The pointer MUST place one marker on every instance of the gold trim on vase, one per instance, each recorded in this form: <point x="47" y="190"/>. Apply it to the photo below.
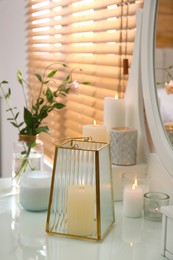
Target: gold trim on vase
<point x="28" y="138"/>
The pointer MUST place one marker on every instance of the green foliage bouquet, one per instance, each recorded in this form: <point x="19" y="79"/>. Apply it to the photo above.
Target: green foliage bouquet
<point x="32" y="122"/>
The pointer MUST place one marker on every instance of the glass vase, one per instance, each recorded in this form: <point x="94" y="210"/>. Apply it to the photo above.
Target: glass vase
<point x="28" y="154"/>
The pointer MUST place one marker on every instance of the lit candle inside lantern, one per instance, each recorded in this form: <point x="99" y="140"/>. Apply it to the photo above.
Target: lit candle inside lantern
<point x="95" y="131"/>
<point x="80" y="210"/>
<point x="114" y="113"/>
<point x="133" y="201"/>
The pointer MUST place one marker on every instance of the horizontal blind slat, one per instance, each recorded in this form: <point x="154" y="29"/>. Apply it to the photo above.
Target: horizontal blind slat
<point x="93" y="35"/>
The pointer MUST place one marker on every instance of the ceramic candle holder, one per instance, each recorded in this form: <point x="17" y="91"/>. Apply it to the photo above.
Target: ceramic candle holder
<point x="123" y="142"/>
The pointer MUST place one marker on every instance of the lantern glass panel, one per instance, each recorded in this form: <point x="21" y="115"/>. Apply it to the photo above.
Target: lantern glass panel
<point x="74" y="204"/>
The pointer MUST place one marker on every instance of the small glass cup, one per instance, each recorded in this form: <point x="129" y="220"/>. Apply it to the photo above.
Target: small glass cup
<point x="152" y="203"/>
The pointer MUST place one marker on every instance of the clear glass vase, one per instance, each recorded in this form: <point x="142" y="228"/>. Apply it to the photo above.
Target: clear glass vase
<point x="28" y="154"/>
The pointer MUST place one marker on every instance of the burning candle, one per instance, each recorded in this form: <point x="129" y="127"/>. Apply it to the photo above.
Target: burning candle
<point x="95" y="131"/>
<point x="80" y="210"/>
<point x="133" y="201"/>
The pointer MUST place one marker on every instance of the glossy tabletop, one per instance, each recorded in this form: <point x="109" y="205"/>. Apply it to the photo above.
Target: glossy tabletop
<point x="23" y="236"/>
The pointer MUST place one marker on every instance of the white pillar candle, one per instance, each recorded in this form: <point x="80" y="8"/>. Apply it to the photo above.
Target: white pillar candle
<point x="80" y="210"/>
<point x="96" y="132"/>
<point x="114" y="113"/>
<point x="133" y="201"/>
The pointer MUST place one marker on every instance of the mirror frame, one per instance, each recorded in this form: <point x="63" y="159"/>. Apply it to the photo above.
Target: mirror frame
<point x="162" y="146"/>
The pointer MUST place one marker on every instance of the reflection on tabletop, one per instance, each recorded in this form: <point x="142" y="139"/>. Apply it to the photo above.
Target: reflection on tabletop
<point x="23" y="236"/>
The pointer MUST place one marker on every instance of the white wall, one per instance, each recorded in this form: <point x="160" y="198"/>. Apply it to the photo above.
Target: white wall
<point x="12" y="58"/>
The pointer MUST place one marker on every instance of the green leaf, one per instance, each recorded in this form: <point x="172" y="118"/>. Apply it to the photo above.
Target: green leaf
<point x="16" y="115"/>
<point x="52" y="73"/>
<point x="44" y="129"/>
<point x="28" y="117"/>
<point x="4" y="82"/>
<point x="9" y="109"/>
<point x="58" y="105"/>
<point x="47" y="81"/>
<point x="43" y="112"/>
<point x="34" y="108"/>
<point x="39" y="77"/>
<point x="40" y="101"/>
<point x="67" y="79"/>
<point x="8" y="94"/>
<point x="14" y="124"/>
<point x="55" y="93"/>
<point x="20" y="124"/>
<point x="49" y="95"/>
<point x="86" y="83"/>
<point x="19" y="76"/>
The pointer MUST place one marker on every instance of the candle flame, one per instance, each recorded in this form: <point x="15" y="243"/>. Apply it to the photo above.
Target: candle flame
<point x="136" y="182"/>
<point x="94" y="122"/>
<point x="116" y="96"/>
<point x="131" y="244"/>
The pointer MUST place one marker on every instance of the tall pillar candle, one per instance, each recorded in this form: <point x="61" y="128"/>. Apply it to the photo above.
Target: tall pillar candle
<point x="114" y="113"/>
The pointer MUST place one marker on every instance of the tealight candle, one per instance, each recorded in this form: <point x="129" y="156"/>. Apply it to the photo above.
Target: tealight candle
<point x="95" y="131"/>
<point x="153" y="201"/>
<point x="80" y="210"/>
<point x="133" y="201"/>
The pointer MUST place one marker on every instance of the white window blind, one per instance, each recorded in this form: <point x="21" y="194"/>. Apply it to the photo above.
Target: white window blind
<point x="94" y="35"/>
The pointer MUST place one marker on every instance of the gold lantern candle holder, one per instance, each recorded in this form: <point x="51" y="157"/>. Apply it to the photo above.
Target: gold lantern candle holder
<point x="81" y="195"/>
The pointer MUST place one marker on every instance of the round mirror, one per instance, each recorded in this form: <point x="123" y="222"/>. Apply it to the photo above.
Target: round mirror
<point x="164" y="64"/>
<point x="160" y="141"/>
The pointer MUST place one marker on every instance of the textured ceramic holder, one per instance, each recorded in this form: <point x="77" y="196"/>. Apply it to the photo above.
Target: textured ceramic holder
<point x="123" y="143"/>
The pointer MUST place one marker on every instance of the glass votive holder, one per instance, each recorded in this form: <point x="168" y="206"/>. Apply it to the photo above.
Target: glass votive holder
<point x="152" y="203"/>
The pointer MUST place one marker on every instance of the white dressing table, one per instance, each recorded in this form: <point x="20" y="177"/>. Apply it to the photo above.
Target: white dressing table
<point x="23" y="236"/>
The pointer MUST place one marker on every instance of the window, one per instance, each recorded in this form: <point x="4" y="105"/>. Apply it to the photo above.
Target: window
<point x="95" y="35"/>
